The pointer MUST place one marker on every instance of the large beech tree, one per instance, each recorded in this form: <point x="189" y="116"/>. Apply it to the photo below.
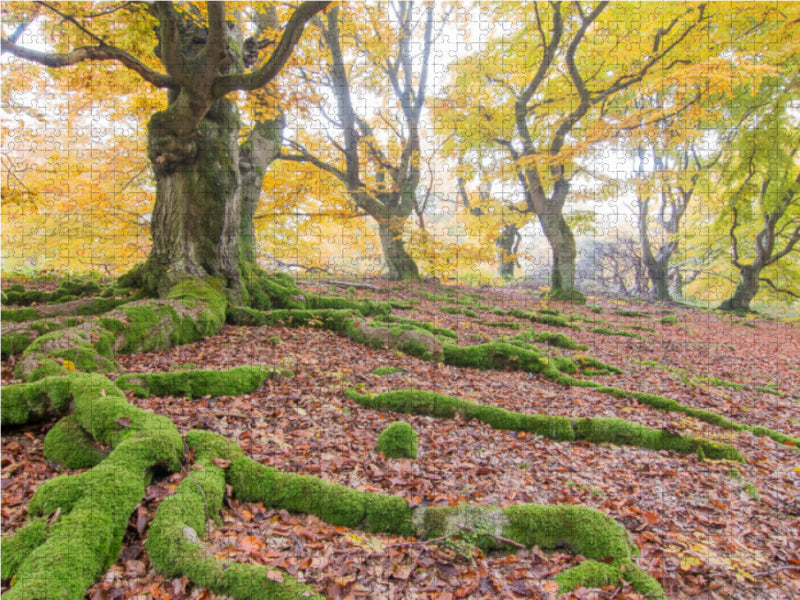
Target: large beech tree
<point x="207" y="184"/>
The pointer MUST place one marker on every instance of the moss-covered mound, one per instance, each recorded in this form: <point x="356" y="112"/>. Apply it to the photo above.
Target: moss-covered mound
<point x="596" y="430"/>
<point x="192" y="310"/>
<point x="398" y="440"/>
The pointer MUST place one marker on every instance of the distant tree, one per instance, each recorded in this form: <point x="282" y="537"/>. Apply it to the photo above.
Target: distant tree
<point x="373" y="150"/>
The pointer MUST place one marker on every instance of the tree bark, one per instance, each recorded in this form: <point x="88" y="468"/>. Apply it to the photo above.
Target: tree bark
<point x="400" y="263"/>
<point x="262" y="146"/>
<point x="745" y="291"/>
<point x="196" y="223"/>
<point x="562" y="243"/>
<point x="505" y="251"/>
<point x="657" y="265"/>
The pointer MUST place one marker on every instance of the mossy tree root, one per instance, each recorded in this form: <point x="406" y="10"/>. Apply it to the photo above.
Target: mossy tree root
<point x="197" y="382"/>
<point x="595" y="430"/>
<point x="175" y="548"/>
<point x="416" y="340"/>
<point x="18" y="335"/>
<point x="193" y="309"/>
<point x="93" y="507"/>
<point x="68" y="444"/>
<point x="580" y="529"/>
<point x="671" y="405"/>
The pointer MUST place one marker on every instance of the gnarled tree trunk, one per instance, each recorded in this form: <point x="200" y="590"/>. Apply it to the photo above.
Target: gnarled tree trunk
<point x="506" y="244"/>
<point x="196" y="223"/>
<point x="745" y="291"/>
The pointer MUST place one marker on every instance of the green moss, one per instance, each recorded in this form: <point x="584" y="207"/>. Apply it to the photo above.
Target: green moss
<point x="68" y="444"/>
<point x="572" y="295"/>
<point x="242" y="315"/>
<point x="398" y="440"/>
<point x="558" y="340"/>
<point x="196" y="383"/>
<point x="599" y="367"/>
<point x="381" y="371"/>
<point x="18" y="315"/>
<point x="14" y="343"/>
<point x="583" y="530"/>
<point x="18" y="546"/>
<point x="101" y="305"/>
<point x="96" y="504"/>
<point x="429" y="327"/>
<point x="175" y="549"/>
<point x="498" y="355"/>
<point x="334" y="503"/>
<point x="29" y="402"/>
<point x="601" y="430"/>
<point x="542" y="317"/>
<point x="669" y="320"/>
<point x="630" y="313"/>
<point x="607" y="331"/>
<point x="451" y="310"/>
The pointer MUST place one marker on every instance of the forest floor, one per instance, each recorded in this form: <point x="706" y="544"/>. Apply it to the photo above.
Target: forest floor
<point x="706" y="528"/>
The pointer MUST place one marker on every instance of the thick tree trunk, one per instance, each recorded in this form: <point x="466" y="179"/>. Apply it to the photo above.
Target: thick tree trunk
<point x="505" y="251"/>
<point x="400" y="263"/>
<point x="197" y="218"/>
<point x="562" y="243"/>
<point x="745" y="291"/>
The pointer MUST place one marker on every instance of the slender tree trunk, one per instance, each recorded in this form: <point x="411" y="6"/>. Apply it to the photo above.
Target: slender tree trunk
<point x="745" y="291"/>
<point x="401" y="265"/>
<point x="562" y="243"/>
<point x="196" y="223"/>
<point x="260" y="148"/>
<point x="505" y="251"/>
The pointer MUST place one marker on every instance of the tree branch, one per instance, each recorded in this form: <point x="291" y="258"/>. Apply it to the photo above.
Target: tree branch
<point x="777" y="289"/>
<point x="84" y="53"/>
<point x="291" y="35"/>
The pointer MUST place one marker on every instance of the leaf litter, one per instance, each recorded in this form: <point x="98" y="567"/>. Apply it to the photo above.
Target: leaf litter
<point x="711" y="529"/>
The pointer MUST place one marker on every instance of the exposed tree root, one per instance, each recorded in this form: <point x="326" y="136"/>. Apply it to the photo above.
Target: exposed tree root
<point x="196" y="383"/>
<point x="513" y="353"/>
<point x="670" y="405"/>
<point x="91" y="509"/>
<point x="192" y="310"/>
<point x="175" y="548"/>
<point x="581" y="529"/>
<point x="595" y="430"/>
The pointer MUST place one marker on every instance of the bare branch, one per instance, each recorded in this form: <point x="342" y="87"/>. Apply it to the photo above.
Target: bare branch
<point x="84" y="53"/>
<point x="72" y="20"/>
<point x="777" y="289"/>
<point x="291" y="35"/>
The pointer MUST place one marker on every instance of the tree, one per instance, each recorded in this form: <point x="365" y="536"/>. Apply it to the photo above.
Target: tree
<point x="206" y="184"/>
<point x="546" y="91"/>
<point x="376" y="159"/>
<point x="764" y="207"/>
